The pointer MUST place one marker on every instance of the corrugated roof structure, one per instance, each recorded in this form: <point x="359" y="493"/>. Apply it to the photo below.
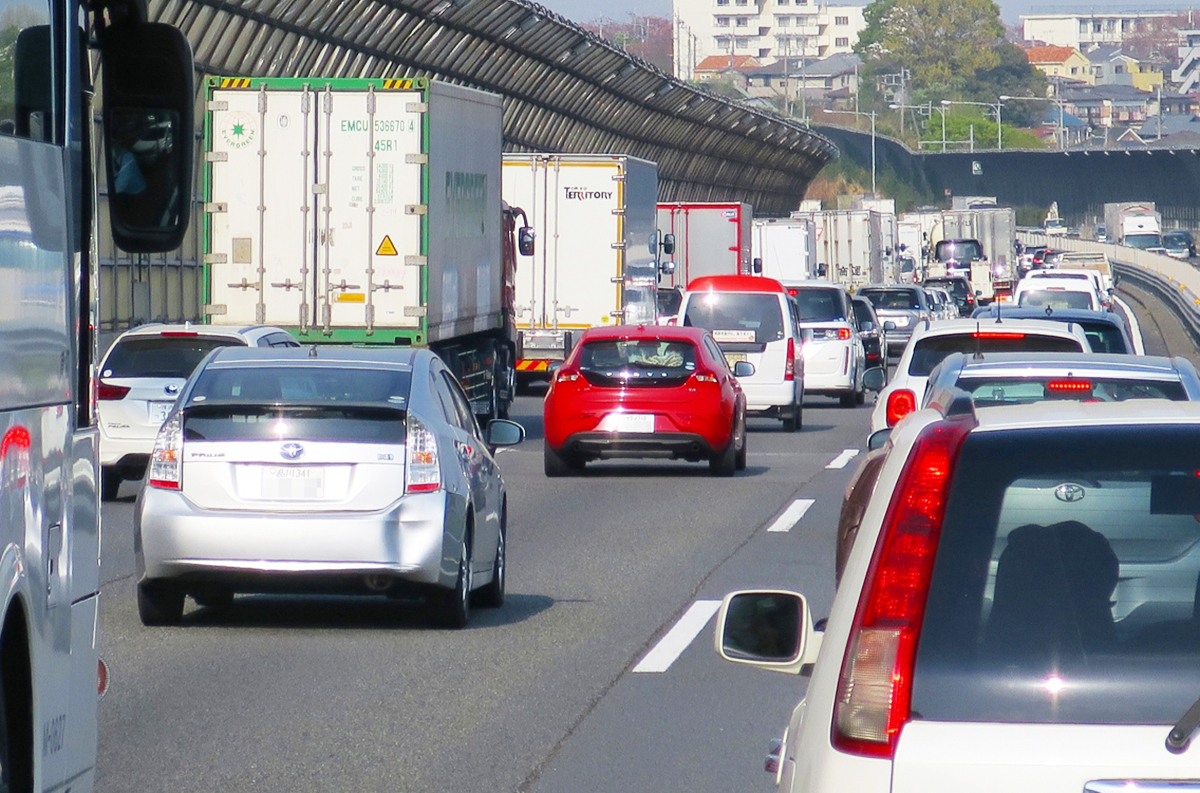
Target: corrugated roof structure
<point x="565" y="89"/>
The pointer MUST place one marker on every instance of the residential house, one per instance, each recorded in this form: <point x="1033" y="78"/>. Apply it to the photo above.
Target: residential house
<point x="1091" y="28"/>
<point x="727" y="67"/>
<point x="1110" y="105"/>
<point x="1061" y="62"/>
<point x="829" y="82"/>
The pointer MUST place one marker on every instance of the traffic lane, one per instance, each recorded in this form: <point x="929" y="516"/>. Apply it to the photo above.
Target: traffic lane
<point x="1163" y="333"/>
<point x="705" y="724"/>
<point x="367" y="695"/>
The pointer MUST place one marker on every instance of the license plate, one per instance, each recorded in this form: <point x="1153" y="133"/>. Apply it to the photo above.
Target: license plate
<point x="293" y="483"/>
<point x="159" y="411"/>
<point x="733" y="357"/>
<point x="630" y="422"/>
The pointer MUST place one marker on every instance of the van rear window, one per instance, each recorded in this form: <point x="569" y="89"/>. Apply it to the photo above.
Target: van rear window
<point x="158" y="356"/>
<point x="1055" y="298"/>
<point x="735" y="317"/>
<point x="1065" y="588"/>
<point x="310" y="385"/>
<point x="930" y="350"/>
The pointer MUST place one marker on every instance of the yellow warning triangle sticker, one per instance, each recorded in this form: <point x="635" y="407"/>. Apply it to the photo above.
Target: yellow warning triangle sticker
<point x="386" y="248"/>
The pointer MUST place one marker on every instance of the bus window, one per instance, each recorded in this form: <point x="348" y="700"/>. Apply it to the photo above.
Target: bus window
<point x="26" y="69"/>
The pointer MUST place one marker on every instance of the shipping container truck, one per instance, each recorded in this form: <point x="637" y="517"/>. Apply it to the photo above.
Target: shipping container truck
<point x="850" y="243"/>
<point x="785" y="249"/>
<point x="1134" y="223"/>
<point x="598" y="253"/>
<point x="364" y="211"/>
<point x="710" y="239"/>
<point x="979" y="243"/>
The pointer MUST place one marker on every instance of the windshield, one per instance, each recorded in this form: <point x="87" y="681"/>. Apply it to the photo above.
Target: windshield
<point x="1143" y="241"/>
<point x="640" y="363"/>
<point x="1021" y="390"/>
<point x="267" y="384"/>
<point x="751" y="317"/>
<point x="1176" y="240"/>
<point x="1055" y="298"/>
<point x="930" y="350"/>
<point x="1064" y="588"/>
<point x="957" y="250"/>
<point x="162" y="356"/>
<point x="904" y="299"/>
<point x="819" y="305"/>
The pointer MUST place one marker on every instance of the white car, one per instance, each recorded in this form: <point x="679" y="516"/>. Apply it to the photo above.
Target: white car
<point x="1017" y="612"/>
<point x="1097" y="279"/>
<point x="931" y="342"/>
<point x="1055" y="293"/>
<point x="140" y="377"/>
<point x="834" y="356"/>
<point x="752" y="319"/>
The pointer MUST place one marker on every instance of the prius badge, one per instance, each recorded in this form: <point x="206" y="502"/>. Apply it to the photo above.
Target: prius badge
<point x="1069" y="493"/>
<point x="291" y="451"/>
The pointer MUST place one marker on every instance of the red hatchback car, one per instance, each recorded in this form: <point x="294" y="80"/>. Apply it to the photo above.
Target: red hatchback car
<point x="646" y="391"/>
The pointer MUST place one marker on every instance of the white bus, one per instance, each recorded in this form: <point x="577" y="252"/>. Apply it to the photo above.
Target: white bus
<point x="49" y="508"/>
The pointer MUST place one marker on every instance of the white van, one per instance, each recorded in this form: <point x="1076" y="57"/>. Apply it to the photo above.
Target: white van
<point x="752" y="319"/>
<point x="834" y="357"/>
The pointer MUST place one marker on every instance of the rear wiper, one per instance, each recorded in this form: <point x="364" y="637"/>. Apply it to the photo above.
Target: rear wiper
<point x="1181" y="734"/>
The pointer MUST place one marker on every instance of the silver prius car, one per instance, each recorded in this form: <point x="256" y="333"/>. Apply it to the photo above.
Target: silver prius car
<point x="322" y="469"/>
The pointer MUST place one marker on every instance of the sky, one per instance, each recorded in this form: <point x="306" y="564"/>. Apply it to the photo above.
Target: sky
<point x="1010" y="10"/>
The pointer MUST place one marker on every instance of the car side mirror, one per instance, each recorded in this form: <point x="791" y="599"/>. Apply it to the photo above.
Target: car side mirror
<point x="501" y="432"/>
<point x="666" y="267"/>
<point x="668" y="244"/>
<point x="867" y="326"/>
<point x="877" y="439"/>
<point x="770" y="629"/>
<point x="874" y="379"/>
<point x="756" y="266"/>
<point x="743" y="369"/>
<point x="553" y="366"/>
<point x="822" y="270"/>
<point x="149" y="134"/>
<point x="889" y="325"/>
<point x="525" y="240"/>
<point x="978" y="293"/>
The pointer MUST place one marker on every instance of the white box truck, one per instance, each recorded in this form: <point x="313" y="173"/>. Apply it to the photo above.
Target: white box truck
<point x="1134" y="223"/>
<point x="979" y="243"/>
<point x="364" y="212"/>
<point x="710" y="239"/>
<point x="784" y="249"/>
<point x="597" y="259"/>
<point x="850" y="244"/>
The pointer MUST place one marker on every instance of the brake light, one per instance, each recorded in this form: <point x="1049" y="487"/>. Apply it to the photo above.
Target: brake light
<point x="167" y="457"/>
<point x="1073" y="386"/>
<point x="843" y="334"/>
<point x="900" y="403"/>
<point x="178" y="334"/>
<point x="792" y="291"/>
<point x="422" y="473"/>
<point x="875" y="687"/>
<point x="705" y="377"/>
<point x="107" y="392"/>
<point x="566" y="377"/>
<point x="995" y="334"/>
<point x="789" y="369"/>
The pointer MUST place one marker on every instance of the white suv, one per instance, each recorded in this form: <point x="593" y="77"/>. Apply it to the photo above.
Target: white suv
<point x="834" y="356"/>
<point x="930" y="343"/>
<point x="140" y="377"/>
<point x="1018" y="611"/>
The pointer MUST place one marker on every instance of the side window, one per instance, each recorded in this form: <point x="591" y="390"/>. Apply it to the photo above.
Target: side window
<point x="441" y="393"/>
<point x="466" y="417"/>
<point x="791" y="304"/>
<point x="27" y="73"/>
<point x="715" y="353"/>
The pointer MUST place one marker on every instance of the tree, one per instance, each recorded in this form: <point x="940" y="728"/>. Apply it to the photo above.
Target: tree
<point x="1156" y="38"/>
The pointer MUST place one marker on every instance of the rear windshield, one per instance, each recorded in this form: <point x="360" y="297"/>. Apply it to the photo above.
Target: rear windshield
<point x="955" y="286"/>
<point x="737" y="316"/>
<point x="862" y="312"/>
<point x="957" y="250"/>
<point x="1065" y="587"/>
<point x="1103" y="337"/>
<point x="162" y="356"/>
<point x="644" y="363"/>
<point x="347" y="424"/>
<point x="1010" y="391"/>
<point x="669" y="301"/>
<point x="930" y="351"/>
<point x="1055" y="298"/>
<point x="820" y="305"/>
<point x="892" y="298"/>
<point x="310" y="385"/>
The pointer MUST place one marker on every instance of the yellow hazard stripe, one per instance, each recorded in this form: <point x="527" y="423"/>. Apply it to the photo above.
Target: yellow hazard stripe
<point x="532" y="366"/>
<point x="235" y="82"/>
<point x="398" y="85"/>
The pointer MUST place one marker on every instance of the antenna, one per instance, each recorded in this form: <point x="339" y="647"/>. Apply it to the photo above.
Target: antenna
<point x="312" y="351"/>
<point x="978" y="356"/>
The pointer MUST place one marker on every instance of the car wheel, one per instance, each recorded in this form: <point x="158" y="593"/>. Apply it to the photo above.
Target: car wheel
<point x="159" y="604"/>
<point x="740" y="458"/>
<point x="110" y="483"/>
<point x="491" y="595"/>
<point x="724" y="463"/>
<point x="793" y="418"/>
<point x="213" y="598"/>
<point x="454" y="606"/>
<point x="560" y="464"/>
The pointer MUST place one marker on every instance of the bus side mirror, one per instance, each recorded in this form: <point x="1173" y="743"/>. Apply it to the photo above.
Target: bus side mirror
<point x="149" y="134"/>
<point x="525" y="237"/>
<point x="668" y="244"/>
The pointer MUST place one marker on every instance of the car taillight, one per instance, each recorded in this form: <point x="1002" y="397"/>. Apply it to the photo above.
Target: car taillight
<point x="566" y="377"/>
<point x="1071" y="386"/>
<point x="167" y="457"/>
<point x="843" y="333"/>
<point x="107" y="392"/>
<point x="992" y="334"/>
<point x="422" y="473"/>
<point x="900" y="403"/>
<point x="789" y="369"/>
<point x="705" y="377"/>
<point x="875" y="687"/>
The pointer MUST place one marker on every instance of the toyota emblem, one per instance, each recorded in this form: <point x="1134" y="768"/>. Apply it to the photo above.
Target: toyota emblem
<point x="1070" y="493"/>
<point x="291" y="451"/>
<point x="172" y="389"/>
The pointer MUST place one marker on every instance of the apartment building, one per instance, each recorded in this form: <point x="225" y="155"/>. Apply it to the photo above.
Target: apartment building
<point x="767" y="30"/>
<point x="1086" y="30"/>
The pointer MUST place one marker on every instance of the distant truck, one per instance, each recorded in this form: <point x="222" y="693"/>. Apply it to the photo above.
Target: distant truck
<point x="785" y="249"/>
<point x="365" y="211"/>
<point x="597" y="260"/>
<point x="980" y="244"/>
<point x="1133" y="223"/>
<point x="850" y="243"/>
<point x="710" y="239"/>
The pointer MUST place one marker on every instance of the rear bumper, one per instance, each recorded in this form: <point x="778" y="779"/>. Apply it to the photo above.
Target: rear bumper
<point x="768" y="397"/>
<point x="125" y="452"/>
<point x="686" y="445"/>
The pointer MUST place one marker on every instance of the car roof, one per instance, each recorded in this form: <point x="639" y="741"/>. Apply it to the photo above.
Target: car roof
<point x="318" y="355"/>
<point x="735" y="283"/>
<point x="1047" y="282"/>
<point x="226" y="331"/>
<point x="904" y="287"/>
<point x="680" y="332"/>
<point x="1080" y="364"/>
<point x="1071" y="413"/>
<point x="814" y="284"/>
<point x="952" y="327"/>
<point x="1057" y="315"/>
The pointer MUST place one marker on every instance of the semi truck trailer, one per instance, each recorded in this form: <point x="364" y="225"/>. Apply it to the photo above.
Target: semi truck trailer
<point x="364" y="211"/>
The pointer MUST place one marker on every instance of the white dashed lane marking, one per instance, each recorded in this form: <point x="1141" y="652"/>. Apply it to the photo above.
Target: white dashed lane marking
<point x="669" y="647"/>
<point x="792" y="515"/>
<point x="843" y="459"/>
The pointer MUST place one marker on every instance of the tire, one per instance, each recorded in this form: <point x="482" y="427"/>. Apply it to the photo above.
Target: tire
<point x="792" y="421"/>
<point x="159" y="604"/>
<point x="724" y="463"/>
<point x="453" y="607"/>
<point x="213" y="598"/>
<point x="739" y="461"/>
<point x="491" y="595"/>
<point x="110" y="483"/>
<point x="16" y="714"/>
<point x="557" y="464"/>
<point x="848" y="400"/>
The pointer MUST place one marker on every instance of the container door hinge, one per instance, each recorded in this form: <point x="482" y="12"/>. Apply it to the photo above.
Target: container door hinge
<point x="416" y="261"/>
<point x="216" y="156"/>
<point x="216" y="105"/>
<point x="216" y="309"/>
<point x="215" y="207"/>
<point x="416" y="209"/>
<point x="414" y="311"/>
<point x="415" y="158"/>
<point x="215" y="258"/>
<point x="416" y="107"/>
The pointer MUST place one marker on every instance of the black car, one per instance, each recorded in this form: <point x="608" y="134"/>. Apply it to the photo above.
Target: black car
<point x="959" y="289"/>
<point x="1179" y="244"/>
<point x="871" y="332"/>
